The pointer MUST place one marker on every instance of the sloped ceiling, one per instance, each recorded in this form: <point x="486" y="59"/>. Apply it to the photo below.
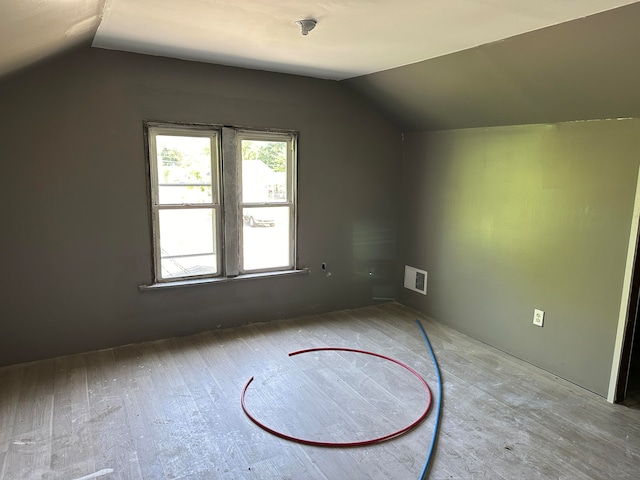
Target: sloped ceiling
<point x="31" y="30"/>
<point x="352" y="37"/>
<point x="580" y="70"/>
<point x="560" y="70"/>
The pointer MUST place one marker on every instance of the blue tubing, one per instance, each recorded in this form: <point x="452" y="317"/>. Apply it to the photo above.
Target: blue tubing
<point x="436" y="427"/>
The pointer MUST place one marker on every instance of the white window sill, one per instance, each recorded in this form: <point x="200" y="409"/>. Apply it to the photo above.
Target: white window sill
<point x="208" y="281"/>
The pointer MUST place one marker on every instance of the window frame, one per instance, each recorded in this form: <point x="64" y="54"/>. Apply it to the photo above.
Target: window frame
<point x="226" y="202"/>
<point x="152" y="130"/>
<point x="290" y="138"/>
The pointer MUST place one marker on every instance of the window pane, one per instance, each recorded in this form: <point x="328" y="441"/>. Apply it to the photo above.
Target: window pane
<point x="265" y="238"/>
<point x="188" y="266"/>
<point x="179" y="195"/>
<point x="184" y="161"/>
<point x="187" y="242"/>
<point x="264" y="171"/>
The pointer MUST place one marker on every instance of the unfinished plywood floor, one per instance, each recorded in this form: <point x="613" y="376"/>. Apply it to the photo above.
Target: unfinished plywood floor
<point x="171" y="409"/>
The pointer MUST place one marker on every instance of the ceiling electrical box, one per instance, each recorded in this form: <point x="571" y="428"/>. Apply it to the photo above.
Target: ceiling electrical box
<point x="415" y="279"/>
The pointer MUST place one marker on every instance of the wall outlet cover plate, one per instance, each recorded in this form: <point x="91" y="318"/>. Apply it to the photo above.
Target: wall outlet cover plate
<point x="538" y="317"/>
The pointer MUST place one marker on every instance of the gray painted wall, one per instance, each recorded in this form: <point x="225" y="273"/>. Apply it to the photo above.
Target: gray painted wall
<point x="509" y="219"/>
<point x="578" y="70"/>
<point x="76" y="242"/>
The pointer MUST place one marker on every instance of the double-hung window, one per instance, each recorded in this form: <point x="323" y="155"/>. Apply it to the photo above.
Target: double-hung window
<point x="223" y="201"/>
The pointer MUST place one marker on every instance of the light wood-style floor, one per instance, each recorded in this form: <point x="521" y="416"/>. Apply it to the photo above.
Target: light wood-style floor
<point x="171" y="409"/>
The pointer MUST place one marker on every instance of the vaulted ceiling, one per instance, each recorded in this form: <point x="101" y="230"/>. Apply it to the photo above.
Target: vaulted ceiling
<point x="31" y="30"/>
<point x="425" y="65"/>
<point x="352" y="37"/>
<point x="581" y="70"/>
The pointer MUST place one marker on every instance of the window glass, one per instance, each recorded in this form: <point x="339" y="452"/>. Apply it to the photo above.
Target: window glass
<point x="221" y="208"/>
<point x="264" y="171"/>
<point x="184" y="169"/>
<point x="187" y="246"/>
<point x="266" y="238"/>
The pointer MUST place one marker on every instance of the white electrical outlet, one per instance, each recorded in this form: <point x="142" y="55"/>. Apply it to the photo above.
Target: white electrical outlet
<point x="538" y="317"/>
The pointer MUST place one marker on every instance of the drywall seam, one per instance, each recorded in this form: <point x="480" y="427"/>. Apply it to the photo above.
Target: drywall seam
<point x="626" y="295"/>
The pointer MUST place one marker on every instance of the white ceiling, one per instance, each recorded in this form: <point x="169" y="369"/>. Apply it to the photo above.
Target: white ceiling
<point x="352" y="38"/>
<point x="34" y="29"/>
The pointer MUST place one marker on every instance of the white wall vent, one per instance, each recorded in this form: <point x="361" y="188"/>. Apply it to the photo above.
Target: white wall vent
<point x="415" y="279"/>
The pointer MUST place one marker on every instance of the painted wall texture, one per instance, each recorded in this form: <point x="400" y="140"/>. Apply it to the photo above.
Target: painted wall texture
<point x="509" y="219"/>
<point x="505" y="219"/>
<point x="76" y="241"/>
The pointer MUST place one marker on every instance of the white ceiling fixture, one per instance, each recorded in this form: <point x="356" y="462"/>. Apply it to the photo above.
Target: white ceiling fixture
<point x="306" y="25"/>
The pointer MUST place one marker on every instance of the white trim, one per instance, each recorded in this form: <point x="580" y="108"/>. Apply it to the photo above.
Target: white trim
<point x="290" y="202"/>
<point x="226" y="202"/>
<point x="197" y="131"/>
<point x="626" y="293"/>
<point x="208" y="281"/>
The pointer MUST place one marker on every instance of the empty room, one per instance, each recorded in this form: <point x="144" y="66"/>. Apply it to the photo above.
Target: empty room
<point x="295" y="239"/>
